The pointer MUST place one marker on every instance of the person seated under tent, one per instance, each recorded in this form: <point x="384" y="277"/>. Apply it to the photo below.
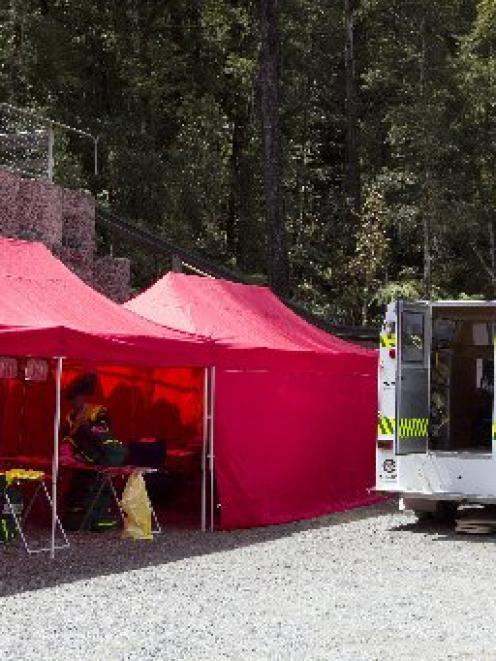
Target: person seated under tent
<point x="87" y="429"/>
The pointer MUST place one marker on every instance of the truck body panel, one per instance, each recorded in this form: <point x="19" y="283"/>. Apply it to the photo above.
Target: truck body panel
<point x="436" y="426"/>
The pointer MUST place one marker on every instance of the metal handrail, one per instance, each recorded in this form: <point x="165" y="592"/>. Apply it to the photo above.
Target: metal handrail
<point x="50" y="123"/>
<point x="191" y="260"/>
<point x="46" y="120"/>
<point x="203" y="266"/>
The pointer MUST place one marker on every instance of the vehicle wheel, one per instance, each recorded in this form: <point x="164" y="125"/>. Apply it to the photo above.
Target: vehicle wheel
<point x="424" y="518"/>
<point x="446" y="512"/>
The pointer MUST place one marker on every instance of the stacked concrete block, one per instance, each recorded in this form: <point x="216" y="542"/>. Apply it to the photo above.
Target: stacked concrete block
<point x="78" y="220"/>
<point x="79" y="262"/>
<point x="112" y="276"/>
<point x="9" y="189"/>
<point x="64" y="221"/>
<point x="30" y="209"/>
<point x="39" y="211"/>
<point x="78" y="233"/>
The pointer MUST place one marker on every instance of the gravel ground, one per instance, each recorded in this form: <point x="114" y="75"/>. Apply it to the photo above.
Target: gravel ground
<point x="367" y="584"/>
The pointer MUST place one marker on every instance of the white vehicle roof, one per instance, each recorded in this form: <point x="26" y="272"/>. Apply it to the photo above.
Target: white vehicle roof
<point x="462" y="304"/>
<point x="454" y="303"/>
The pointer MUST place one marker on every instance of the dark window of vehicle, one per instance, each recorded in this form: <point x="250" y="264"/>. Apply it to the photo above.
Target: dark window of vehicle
<point x="412" y="337"/>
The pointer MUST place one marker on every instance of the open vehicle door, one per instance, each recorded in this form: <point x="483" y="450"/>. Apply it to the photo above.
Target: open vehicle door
<point x="493" y="426"/>
<point x="413" y="399"/>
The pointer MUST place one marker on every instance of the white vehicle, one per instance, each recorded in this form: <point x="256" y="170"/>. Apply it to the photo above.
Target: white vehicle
<point x="436" y="430"/>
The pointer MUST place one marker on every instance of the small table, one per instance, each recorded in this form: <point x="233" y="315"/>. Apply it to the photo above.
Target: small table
<point x="106" y="476"/>
<point x="19" y="475"/>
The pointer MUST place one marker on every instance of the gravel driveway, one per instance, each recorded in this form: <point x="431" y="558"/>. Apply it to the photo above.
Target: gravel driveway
<point x="367" y="584"/>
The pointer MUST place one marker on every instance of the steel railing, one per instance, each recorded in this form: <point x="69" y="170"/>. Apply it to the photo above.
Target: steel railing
<point x="187" y="260"/>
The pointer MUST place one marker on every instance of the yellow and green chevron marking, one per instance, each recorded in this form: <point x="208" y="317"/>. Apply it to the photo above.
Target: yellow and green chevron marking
<point x="413" y="427"/>
<point x="409" y="427"/>
<point x="385" y="426"/>
<point x="388" y="341"/>
<point x="494" y="430"/>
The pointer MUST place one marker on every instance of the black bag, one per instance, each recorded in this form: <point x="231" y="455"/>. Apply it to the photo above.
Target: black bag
<point x="150" y="454"/>
<point x="97" y="446"/>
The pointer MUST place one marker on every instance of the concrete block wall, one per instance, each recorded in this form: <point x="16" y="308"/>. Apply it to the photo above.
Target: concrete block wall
<point x="64" y="220"/>
<point x="38" y="212"/>
<point x="78" y="220"/>
<point x="30" y="209"/>
<point x="78" y="233"/>
<point x="111" y="276"/>
<point x="80" y="262"/>
<point x="9" y="189"/>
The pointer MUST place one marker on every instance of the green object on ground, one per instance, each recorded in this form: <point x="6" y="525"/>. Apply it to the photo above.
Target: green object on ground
<point x="8" y="527"/>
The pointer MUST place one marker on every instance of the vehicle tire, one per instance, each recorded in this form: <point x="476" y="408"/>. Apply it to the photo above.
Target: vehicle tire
<point x="424" y="518"/>
<point x="446" y="511"/>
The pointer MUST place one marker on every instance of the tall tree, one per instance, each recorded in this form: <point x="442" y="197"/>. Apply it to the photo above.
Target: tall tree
<point x="383" y="110"/>
<point x="278" y="263"/>
<point x="477" y="70"/>
<point x="353" y="181"/>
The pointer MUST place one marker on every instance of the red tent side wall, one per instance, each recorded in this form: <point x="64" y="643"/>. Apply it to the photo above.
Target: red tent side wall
<point x="293" y="445"/>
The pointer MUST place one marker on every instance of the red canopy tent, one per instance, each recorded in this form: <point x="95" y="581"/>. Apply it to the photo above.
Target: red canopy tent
<point x="48" y="312"/>
<point x="295" y="408"/>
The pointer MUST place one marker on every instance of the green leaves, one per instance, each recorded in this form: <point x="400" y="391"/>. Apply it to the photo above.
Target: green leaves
<point x="171" y="88"/>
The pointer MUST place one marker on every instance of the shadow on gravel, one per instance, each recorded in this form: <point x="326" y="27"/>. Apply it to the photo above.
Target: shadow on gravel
<point x="94" y="555"/>
<point x="444" y="532"/>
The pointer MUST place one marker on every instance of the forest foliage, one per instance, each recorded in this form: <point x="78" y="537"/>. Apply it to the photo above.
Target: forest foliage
<point x="388" y="133"/>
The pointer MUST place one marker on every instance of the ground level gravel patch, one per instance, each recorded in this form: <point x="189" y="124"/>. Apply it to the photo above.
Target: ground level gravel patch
<point x="367" y="584"/>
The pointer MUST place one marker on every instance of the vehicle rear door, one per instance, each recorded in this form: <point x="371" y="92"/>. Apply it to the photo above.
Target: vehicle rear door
<point x="413" y="397"/>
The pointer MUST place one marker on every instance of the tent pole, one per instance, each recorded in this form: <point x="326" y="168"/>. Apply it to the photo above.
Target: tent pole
<point x="206" y="417"/>
<point x="55" y="461"/>
<point x="212" y="448"/>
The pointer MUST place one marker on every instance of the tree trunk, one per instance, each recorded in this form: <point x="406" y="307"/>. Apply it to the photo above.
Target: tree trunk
<point x="427" y="278"/>
<point x="247" y="245"/>
<point x="427" y="198"/>
<point x="492" y="257"/>
<point x="278" y="263"/>
<point x="17" y="82"/>
<point x="353" y="180"/>
<point x="302" y="178"/>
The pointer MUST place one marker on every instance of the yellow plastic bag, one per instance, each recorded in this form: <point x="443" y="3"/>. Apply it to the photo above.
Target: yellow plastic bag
<point x="136" y="507"/>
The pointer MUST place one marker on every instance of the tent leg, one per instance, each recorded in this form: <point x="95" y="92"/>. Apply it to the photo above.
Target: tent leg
<point x="55" y="461"/>
<point x="206" y="418"/>
<point x="212" y="448"/>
